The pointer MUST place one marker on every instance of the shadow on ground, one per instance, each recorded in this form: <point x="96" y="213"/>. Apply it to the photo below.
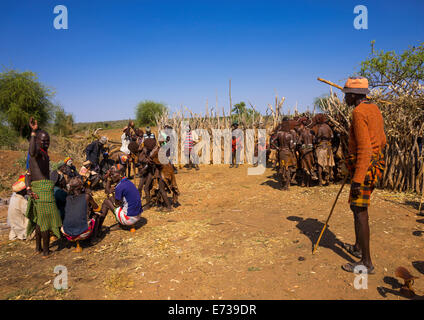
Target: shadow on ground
<point x="312" y="229"/>
<point x="63" y="243"/>
<point x="395" y="289"/>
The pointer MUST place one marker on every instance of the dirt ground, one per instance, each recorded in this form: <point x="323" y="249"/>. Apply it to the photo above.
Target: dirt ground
<point x="235" y="236"/>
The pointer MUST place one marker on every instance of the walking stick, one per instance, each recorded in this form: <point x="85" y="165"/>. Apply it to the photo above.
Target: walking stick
<point x="329" y="216"/>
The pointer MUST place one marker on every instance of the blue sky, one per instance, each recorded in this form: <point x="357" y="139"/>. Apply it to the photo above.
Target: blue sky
<point x="117" y="53"/>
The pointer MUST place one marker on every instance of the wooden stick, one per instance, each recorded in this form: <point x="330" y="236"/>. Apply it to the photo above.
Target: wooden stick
<point x="329" y="216"/>
<point x="330" y="83"/>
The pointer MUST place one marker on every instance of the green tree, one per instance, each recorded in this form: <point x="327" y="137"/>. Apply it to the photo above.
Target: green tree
<point x="239" y="108"/>
<point x="148" y="111"/>
<point x="8" y="136"/>
<point x="395" y="74"/>
<point x="22" y="96"/>
<point x="63" y="124"/>
<point x="320" y="103"/>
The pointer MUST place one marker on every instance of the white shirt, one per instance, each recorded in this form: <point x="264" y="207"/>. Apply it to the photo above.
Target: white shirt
<point x="125" y="142"/>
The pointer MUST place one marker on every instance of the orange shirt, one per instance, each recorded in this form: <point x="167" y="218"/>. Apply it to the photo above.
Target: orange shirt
<point x="366" y="137"/>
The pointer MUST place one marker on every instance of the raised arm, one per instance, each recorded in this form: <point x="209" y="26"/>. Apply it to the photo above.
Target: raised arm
<point x="91" y="203"/>
<point x="33" y="150"/>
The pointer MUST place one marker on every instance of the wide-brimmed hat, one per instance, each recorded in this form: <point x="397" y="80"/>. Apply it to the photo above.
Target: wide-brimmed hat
<point x="19" y="185"/>
<point x="358" y="85"/>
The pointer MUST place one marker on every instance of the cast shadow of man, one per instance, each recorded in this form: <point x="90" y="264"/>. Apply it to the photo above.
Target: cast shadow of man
<point x="312" y="228"/>
<point x="274" y="182"/>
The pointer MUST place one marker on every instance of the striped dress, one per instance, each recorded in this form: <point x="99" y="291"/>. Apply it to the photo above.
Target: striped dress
<point x="188" y="143"/>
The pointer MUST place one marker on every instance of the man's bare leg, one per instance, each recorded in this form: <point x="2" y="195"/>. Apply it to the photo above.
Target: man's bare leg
<point x="147" y="184"/>
<point x="319" y="175"/>
<point x="141" y="184"/>
<point x="364" y="235"/>
<point x="362" y="232"/>
<point x="38" y="247"/>
<point x="106" y="206"/>
<point x="164" y="194"/>
<point x="45" y="235"/>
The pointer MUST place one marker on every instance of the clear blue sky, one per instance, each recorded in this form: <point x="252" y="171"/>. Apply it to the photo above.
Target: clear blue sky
<point x="117" y="53"/>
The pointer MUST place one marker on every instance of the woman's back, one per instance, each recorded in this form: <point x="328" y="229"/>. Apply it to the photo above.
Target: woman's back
<point x="75" y="221"/>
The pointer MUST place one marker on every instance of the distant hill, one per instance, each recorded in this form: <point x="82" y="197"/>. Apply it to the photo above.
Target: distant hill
<point x="83" y="126"/>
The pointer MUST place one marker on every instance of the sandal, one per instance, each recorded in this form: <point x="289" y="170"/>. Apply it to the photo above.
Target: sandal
<point x="350" y="267"/>
<point x="351" y="249"/>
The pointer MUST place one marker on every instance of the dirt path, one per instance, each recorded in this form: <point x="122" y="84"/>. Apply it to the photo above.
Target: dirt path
<point x="233" y="237"/>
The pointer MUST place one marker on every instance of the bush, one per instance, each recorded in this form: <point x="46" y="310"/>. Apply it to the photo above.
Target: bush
<point x="8" y="137"/>
<point x="147" y="112"/>
<point x="63" y="124"/>
<point x="23" y="96"/>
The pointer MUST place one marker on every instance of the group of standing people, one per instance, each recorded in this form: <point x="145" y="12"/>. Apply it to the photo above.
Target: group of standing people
<point x="303" y="146"/>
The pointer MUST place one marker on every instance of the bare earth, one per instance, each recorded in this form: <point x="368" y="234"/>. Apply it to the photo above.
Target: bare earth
<point x="234" y="236"/>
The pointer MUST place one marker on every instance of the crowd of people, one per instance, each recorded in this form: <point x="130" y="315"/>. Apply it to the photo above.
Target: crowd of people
<point x="60" y="202"/>
<point x="305" y="150"/>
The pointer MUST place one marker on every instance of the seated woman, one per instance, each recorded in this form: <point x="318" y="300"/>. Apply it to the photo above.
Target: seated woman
<point x="16" y="213"/>
<point x="90" y="177"/>
<point x="79" y="223"/>
<point x="126" y="202"/>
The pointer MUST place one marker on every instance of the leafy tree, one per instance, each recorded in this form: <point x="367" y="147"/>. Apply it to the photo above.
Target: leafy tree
<point x="8" y="136"/>
<point x="148" y="111"/>
<point x="241" y="111"/>
<point x="395" y="73"/>
<point x="63" y="122"/>
<point x="22" y="96"/>
<point x="239" y="108"/>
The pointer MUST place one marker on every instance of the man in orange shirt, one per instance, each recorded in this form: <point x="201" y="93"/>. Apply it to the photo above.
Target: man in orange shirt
<point x="365" y="163"/>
